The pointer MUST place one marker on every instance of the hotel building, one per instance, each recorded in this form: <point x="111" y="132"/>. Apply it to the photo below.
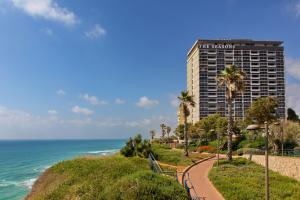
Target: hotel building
<point x="262" y="61"/>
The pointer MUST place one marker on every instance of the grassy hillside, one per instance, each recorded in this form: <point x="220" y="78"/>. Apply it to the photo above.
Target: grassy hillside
<point x="165" y="154"/>
<point x="242" y="179"/>
<point x="105" y="178"/>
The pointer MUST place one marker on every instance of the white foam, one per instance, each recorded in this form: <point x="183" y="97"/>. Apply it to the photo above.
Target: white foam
<point x="28" y="183"/>
<point x="103" y="152"/>
<point x="42" y="169"/>
<point x="4" y="183"/>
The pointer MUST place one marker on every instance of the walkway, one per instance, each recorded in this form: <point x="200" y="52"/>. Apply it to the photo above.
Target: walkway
<point x="198" y="176"/>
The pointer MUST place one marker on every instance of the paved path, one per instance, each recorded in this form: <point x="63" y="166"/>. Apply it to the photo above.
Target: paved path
<point x="198" y="176"/>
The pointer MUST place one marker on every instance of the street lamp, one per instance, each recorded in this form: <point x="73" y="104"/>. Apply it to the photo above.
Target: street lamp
<point x="254" y="127"/>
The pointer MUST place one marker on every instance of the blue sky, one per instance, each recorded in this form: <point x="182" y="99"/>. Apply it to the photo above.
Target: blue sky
<point x="112" y="68"/>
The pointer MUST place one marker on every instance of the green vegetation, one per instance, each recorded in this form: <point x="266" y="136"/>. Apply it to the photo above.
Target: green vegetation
<point x="136" y="147"/>
<point x="105" y="178"/>
<point x="262" y="110"/>
<point x="165" y="154"/>
<point x="243" y="179"/>
<point x="292" y="116"/>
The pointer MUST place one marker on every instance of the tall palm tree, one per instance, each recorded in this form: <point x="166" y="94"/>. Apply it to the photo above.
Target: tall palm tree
<point x="168" y="130"/>
<point x="152" y="134"/>
<point x="163" y="130"/>
<point x="233" y="79"/>
<point x="186" y="101"/>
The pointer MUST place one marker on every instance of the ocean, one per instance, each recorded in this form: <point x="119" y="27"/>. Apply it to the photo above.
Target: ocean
<point x="21" y="162"/>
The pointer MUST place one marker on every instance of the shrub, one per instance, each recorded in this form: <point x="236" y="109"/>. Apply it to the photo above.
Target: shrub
<point x="209" y="149"/>
<point x="297" y="151"/>
<point x="249" y="151"/>
<point x="146" y="185"/>
<point x="136" y="147"/>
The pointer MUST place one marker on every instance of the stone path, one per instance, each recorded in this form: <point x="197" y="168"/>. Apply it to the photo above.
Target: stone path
<point x="198" y="177"/>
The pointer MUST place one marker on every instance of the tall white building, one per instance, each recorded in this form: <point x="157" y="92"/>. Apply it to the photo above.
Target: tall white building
<point x="262" y="61"/>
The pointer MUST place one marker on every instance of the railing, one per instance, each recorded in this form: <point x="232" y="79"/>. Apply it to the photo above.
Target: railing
<point x="154" y="165"/>
<point x="157" y="169"/>
<point x="188" y="186"/>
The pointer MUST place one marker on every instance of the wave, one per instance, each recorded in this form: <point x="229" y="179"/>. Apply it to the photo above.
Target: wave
<point x="103" y="152"/>
<point x="29" y="183"/>
<point x="41" y="169"/>
<point x="5" y="183"/>
<point x="26" y="183"/>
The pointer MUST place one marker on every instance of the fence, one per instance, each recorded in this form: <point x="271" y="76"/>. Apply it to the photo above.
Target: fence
<point x="285" y="152"/>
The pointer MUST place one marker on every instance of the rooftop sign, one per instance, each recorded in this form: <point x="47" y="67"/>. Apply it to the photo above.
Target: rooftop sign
<point x="216" y="46"/>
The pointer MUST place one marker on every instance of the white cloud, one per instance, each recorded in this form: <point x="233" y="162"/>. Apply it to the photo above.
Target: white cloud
<point x="93" y="100"/>
<point x="145" y="102"/>
<point x="96" y="32"/>
<point x="8" y="116"/>
<point x="119" y="101"/>
<point x="293" y="67"/>
<point x="80" y="110"/>
<point x="61" y="92"/>
<point x="141" y="123"/>
<point x="52" y="112"/>
<point x="47" y="9"/>
<point x="80" y="122"/>
<point x="297" y="9"/>
<point x="293" y="97"/>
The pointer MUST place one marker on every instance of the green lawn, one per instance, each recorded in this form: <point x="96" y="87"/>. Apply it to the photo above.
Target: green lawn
<point x="243" y="179"/>
<point x="106" y="178"/>
<point x="176" y="157"/>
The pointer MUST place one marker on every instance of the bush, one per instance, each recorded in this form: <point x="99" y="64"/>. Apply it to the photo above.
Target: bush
<point x="297" y="151"/>
<point x="258" y="143"/>
<point x="206" y="149"/>
<point x="249" y="151"/>
<point x="146" y="185"/>
<point x="136" y="147"/>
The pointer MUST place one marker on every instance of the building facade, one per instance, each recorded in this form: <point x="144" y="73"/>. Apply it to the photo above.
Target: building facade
<point x="262" y="61"/>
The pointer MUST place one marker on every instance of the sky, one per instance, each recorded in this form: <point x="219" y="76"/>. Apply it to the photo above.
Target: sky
<point x="113" y="68"/>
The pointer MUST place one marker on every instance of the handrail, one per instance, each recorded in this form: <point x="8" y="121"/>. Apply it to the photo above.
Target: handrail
<point x="154" y="163"/>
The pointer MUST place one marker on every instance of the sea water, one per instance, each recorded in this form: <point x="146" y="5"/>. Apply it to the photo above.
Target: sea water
<point x="21" y="162"/>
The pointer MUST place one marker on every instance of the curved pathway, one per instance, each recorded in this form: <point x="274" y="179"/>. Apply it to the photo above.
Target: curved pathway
<point x="197" y="177"/>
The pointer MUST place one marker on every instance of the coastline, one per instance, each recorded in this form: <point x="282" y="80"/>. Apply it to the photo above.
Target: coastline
<point x="33" y="157"/>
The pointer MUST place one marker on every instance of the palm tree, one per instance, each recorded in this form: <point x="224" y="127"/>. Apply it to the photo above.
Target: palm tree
<point x="152" y="134"/>
<point x="233" y="79"/>
<point x="163" y="130"/>
<point x="186" y="100"/>
<point x="168" y="129"/>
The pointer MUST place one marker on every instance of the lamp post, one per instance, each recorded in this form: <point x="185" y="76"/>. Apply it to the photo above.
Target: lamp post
<point x="267" y="161"/>
<point x="254" y="127"/>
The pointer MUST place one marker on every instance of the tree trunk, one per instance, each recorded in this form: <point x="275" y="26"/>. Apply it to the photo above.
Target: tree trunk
<point x="229" y="130"/>
<point x="186" y="152"/>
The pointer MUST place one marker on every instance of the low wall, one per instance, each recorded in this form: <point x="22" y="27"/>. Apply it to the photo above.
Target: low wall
<point x="287" y="166"/>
